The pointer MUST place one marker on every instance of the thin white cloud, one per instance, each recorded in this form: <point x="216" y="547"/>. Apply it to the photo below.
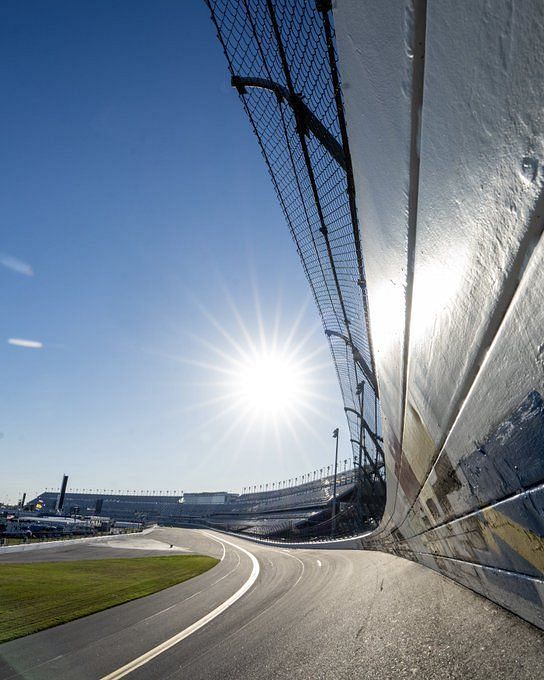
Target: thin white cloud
<point x="20" y="342"/>
<point x="16" y="265"/>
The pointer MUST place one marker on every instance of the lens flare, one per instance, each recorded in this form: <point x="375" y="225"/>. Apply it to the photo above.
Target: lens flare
<point x="264" y="382"/>
<point x="270" y="383"/>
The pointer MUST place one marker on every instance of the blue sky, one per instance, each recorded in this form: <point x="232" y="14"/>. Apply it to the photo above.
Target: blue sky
<point x="134" y="190"/>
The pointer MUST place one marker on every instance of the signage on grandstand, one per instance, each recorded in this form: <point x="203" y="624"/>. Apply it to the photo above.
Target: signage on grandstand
<point x="181" y="499"/>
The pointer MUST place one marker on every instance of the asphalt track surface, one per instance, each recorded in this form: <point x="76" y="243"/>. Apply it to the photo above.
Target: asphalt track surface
<point x="306" y="614"/>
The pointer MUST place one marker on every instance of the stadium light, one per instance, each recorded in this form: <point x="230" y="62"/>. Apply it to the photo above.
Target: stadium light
<point x="333" y="524"/>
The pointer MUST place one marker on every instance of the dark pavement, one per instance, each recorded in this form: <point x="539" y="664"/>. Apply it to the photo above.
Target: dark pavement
<point x="311" y="614"/>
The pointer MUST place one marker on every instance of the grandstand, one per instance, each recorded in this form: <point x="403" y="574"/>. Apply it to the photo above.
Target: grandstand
<point x="301" y="510"/>
<point x="282" y="512"/>
<point x="128" y="506"/>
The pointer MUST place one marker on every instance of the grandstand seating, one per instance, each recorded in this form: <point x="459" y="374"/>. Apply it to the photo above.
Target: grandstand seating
<point x="275" y="512"/>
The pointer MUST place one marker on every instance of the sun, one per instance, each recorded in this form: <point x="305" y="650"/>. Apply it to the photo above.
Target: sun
<point x="269" y="383"/>
<point x="265" y="380"/>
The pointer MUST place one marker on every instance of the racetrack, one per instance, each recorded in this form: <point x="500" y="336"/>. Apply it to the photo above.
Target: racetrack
<point x="309" y="614"/>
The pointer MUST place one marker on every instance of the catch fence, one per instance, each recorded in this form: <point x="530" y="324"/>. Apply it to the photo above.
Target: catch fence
<point x="283" y="62"/>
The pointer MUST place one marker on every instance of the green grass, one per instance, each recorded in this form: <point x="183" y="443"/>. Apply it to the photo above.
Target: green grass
<point x="44" y="594"/>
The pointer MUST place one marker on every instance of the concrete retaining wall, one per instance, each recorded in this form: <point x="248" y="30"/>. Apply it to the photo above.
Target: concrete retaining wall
<point x="445" y="111"/>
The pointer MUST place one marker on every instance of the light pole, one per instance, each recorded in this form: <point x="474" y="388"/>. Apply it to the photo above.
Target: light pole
<point x="333" y="524"/>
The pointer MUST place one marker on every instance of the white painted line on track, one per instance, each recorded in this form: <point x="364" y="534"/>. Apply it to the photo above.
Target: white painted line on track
<point x="222" y="545"/>
<point x="167" y="644"/>
<point x="319" y="563"/>
<point x="275" y="603"/>
<point x="159" y="613"/>
<point x="286" y="552"/>
<point x="173" y="606"/>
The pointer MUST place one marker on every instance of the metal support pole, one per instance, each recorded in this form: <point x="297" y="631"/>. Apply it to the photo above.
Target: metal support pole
<point x="311" y="176"/>
<point x="306" y="121"/>
<point x="333" y="524"/>
<point x="357" y="357"/>
<point x="362" y="447"/>
<point x="325" y="6"/>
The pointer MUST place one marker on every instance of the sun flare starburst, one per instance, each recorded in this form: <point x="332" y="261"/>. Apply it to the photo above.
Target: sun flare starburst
<point x="269" y="383"/>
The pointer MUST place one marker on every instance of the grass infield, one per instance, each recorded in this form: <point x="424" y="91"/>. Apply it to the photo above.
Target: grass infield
<point x="38" y="595"/>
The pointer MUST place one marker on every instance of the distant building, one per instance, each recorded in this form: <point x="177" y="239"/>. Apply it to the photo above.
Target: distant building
<point x="132" y="507"/>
